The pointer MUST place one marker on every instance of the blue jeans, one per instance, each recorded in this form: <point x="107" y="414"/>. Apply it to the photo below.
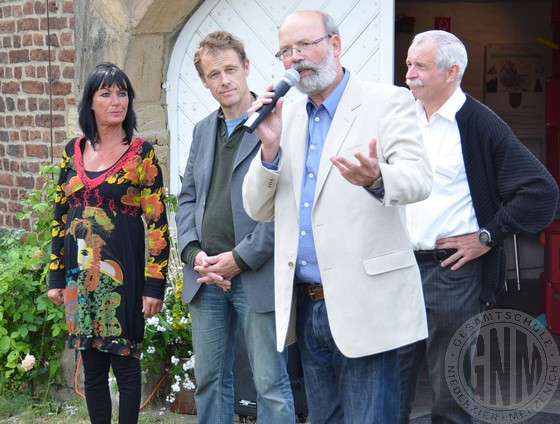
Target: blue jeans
<point x="215" y="314"/>
<point x="452" y="297"/>
<point x="341" y="389"/>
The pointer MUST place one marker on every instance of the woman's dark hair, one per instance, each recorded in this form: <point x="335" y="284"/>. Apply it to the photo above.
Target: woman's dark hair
<point x="105" y="75"/>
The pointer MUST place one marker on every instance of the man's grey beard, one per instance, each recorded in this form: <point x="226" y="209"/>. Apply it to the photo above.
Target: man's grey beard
<point x="323" y="74"/>
<point x="416" y="82"/>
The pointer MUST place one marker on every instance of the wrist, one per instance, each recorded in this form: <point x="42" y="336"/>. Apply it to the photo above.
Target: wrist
<point x="485" y="237"/>
<point x="376" y="185"/>
<point x="198" y="259"/>
<point x="268" y="155"/>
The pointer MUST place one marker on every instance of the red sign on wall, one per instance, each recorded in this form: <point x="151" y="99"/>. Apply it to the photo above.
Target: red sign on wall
<point x="443" y="23"/>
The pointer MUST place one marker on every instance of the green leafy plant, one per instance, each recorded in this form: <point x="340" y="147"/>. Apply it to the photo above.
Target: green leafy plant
<point x="167" y="335"/>
<point x="32" y="329"/>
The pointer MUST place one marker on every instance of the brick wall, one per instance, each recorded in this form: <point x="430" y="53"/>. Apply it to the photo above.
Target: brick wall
<point x="36" y="86"/>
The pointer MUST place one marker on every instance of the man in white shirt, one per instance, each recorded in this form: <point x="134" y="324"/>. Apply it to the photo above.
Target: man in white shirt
<point x="486" y="186"/>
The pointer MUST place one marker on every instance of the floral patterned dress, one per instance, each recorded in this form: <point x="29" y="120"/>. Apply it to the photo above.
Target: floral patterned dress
<point x="102" y="222"/>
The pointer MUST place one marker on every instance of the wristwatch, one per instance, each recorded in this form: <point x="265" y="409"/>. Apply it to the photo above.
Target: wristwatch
<point x="486" y="238"/>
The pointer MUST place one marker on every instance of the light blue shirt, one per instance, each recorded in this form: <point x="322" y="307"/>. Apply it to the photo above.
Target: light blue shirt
<point x="320" y="119"/>
<point x="231" y="124"/>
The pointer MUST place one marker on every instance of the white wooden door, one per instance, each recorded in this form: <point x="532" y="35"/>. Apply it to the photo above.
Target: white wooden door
<point x="366" y="29"/>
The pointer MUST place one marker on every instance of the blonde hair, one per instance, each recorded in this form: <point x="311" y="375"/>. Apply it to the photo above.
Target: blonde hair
<point x="214" y="43"/>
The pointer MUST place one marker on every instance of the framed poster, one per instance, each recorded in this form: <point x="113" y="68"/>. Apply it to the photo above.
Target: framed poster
<point x="514" y="88"/>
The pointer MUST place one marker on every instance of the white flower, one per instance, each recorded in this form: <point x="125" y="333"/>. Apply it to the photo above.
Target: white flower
<point x="188" y="365"/>
<point x="170" y="398"/>
<point x="175" y="387"/>
<point x="153" y="321"/>
<point x="189" y="385"/>
<point x="174" y="360"/>
<point x="151" y="349"/>
<point x="28" y="362"/>
<point x="160" y="328"/>
<point x="71" y="410"/>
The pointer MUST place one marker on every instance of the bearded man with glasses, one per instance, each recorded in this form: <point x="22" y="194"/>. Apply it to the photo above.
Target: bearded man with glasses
<point x="334" y="172"/>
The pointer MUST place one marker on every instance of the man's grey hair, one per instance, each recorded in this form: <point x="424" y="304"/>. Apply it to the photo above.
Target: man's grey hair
<point x="330" y="24"/>
<point x="451" y="51"/>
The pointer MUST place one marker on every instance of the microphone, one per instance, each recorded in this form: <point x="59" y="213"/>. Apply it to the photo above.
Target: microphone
<point x="289" y="79"/>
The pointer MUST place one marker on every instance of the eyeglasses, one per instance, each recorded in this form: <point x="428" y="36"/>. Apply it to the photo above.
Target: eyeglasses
<point x="301" y="48"/>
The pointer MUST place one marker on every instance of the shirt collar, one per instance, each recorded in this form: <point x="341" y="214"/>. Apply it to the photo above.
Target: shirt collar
<point x="331" y="102"/>
<point x="221" y="112"/>
<point x="449" y="109"/>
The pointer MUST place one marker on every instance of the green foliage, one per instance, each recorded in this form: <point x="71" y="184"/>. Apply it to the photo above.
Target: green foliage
<point x="168" y="342"/>
<point x="167" y="335"/>
<point x="30" y="324"/>
<point x="22" y="409"/>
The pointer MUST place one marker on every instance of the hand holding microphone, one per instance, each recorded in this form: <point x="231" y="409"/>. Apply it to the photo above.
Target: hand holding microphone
<point x="289" y="79"/>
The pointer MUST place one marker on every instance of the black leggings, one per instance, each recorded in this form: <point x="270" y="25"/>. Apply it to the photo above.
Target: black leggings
<point x="96" y="384"/>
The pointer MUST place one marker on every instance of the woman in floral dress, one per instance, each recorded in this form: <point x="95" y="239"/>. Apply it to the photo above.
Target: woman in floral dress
<point x="109" y="242"/>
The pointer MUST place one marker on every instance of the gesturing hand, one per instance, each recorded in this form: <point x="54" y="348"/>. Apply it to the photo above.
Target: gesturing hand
<point x="365" y="171"/>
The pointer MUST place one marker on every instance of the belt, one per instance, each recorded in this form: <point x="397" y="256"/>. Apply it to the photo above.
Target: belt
<point x="435" y="255"/>
<point x="312" y="290"/>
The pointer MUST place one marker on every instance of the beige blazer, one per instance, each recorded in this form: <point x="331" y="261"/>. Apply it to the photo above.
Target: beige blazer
<point x="372" y="286"/>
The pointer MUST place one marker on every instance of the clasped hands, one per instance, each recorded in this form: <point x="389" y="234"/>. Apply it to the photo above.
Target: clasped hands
<point x="219" y="269"/>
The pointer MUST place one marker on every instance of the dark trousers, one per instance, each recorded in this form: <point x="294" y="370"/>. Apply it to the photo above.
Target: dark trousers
<point x="452" y="298"/>
<point x="96" y="384"/>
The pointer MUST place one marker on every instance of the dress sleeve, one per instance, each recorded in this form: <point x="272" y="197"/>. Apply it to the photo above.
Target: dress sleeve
<point x="56" y="275"/>
<point x="152" y="201"/>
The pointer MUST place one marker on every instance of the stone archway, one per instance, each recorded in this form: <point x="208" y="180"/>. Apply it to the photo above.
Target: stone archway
<point x="137" y="36"/>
